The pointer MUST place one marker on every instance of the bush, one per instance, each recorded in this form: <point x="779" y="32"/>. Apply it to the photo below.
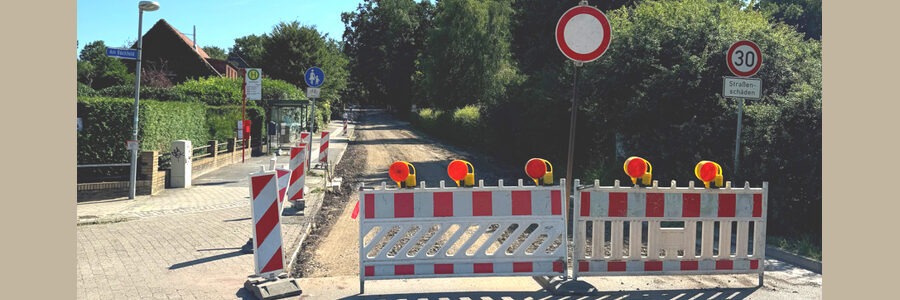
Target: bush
<point x="221" y="122"/>
<point x="227" y="91"/>
<point x="147" y="92"/>
<point x="212" y="90"/>
<point x="108" y="123"/>
<point x="85" y="90"/>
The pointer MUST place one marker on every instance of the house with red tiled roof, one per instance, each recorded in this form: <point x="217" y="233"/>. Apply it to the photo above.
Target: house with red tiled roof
<point x="170" y="50"/>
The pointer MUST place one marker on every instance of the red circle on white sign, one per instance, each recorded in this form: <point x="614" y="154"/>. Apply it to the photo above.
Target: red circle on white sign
<point x="744" y="58"/>
<point x="583" y="33"/>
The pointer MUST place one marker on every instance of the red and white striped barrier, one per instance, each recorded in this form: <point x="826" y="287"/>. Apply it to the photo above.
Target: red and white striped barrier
<point x="323" y="148"/>
<point x="462" y="232"/>
<point x="306" y="141"/>
<point x="672" y="216"/>
<point x="284" y="180"/>
<point x="298" y="173"/>
<point x="268" y="258"/>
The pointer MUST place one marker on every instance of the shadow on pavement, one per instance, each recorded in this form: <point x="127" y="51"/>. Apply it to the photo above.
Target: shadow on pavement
<point x="243" y="293"/>
<point x="205" y="260"/>
<point x="216" y="183"/>
<point x="694" y="294"/>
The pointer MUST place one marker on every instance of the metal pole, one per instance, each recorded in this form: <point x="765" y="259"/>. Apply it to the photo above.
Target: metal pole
<point x="312" y="131"/>
<point x="243" y="113"/>
<point x="571" y="158"/>
<point x="737" y="139"/>
<point x="137" y="96"/>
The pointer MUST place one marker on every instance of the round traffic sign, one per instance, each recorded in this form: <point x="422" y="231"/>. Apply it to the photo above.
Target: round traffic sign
<point x="314" y="77"/>
<point x="583" y="33"/>
<point x="744" y="58"/>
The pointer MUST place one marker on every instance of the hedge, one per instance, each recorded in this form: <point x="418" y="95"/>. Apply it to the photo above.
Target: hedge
<point x="108" y="122"/>
<point x="147" y="92"/>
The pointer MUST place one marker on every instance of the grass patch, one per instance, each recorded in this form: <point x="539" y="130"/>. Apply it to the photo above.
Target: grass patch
<point x="804" y="245"/>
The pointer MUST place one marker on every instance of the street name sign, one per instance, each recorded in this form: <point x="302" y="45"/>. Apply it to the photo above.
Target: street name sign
<point x="125" y="53"/>
<point x="747" y="88"/>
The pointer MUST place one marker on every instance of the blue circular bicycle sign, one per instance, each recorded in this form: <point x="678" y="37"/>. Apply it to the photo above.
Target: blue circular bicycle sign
<point x="314" y="77"/>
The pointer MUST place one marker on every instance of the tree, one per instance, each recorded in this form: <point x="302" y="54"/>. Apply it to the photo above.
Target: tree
<point x="468" y="59"/>
<point x="656" y="93"/>
<point x="250" y="48"/>
<point x="100" y="71"/>
<point x="383" y="43"/>
<point x="805" y="15"/>
<point x="215" y="52"/>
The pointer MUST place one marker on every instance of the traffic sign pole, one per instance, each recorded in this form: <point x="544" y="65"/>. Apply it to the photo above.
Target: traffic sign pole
<point x="571" y="158"/>
<point x="744" y="59"/>
<point x="583" y="34"/>
<point x="737" y="139"/>
<point x="243" y="112"/>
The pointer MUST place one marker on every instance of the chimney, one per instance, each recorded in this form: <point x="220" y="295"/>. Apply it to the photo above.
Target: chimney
<point x="195" y="37"/>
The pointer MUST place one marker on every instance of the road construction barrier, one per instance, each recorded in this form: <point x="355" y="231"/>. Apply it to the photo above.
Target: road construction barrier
<point x="284" y="180"/>
<point x="298" y="173"/>
<point x="462" y="231"/>
<point x="323" y="148"/>
<point x="268" y="259"/>
<point x="306" y="141"/>
<point x="663" y="224"/>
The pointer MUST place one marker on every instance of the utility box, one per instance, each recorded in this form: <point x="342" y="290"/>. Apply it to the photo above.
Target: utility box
<point x="182" y="151"/>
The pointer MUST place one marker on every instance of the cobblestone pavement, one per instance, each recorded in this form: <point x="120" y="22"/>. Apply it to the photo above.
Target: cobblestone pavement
<point x="181" y="243"/>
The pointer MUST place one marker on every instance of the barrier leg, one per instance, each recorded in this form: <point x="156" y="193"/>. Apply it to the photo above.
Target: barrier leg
<point x="545" y="283"/>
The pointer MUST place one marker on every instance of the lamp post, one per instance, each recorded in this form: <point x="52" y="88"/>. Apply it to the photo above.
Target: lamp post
<point x="142" y="6"/>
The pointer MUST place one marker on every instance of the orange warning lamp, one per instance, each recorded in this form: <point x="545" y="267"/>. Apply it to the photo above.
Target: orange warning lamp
<point x="638" y="168"/>
<point x="403" y="173"/>
<point x="462" y="172"/>
<point x="540" y="170"/>
<point x="709" y="171"/>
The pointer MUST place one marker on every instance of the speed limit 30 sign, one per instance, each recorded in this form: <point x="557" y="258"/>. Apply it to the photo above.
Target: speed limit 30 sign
<point x="744" y="58"/>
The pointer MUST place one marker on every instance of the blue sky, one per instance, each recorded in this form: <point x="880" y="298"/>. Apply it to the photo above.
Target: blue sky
<point x="218" y="23"/>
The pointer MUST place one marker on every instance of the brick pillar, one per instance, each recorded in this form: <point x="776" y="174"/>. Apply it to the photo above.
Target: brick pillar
<point x="149" y="163"/>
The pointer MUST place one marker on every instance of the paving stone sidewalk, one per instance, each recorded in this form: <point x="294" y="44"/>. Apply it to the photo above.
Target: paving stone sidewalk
<point x="185" y="243"/>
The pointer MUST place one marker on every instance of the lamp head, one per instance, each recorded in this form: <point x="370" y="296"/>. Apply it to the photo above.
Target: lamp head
<point x="148" y="5"/>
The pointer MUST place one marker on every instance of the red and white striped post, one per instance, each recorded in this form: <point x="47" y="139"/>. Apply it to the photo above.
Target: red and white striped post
<point x="306" y="141"/>
<point x="298" y="173"/>
<point x="268" y="257"/>
<point x="284" y="179"/>
<point x="323" y="149"/>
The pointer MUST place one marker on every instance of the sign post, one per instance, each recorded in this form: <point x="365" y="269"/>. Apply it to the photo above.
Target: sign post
<point x="583" y="35"/>
<point x="250" y="90"/>
<point x="743" y="60"/>
<point x="314" y="78"/>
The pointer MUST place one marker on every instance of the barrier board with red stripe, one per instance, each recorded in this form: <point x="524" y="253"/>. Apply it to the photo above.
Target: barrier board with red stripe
<point x="306" y="142"/>
<point x="268" y="258"/>
<point x="323" y="148"/>
<point x="284" y="180"/>
<point x="462" y="232"/>
<point x="298" y="173"/>
<point x="673" y="218"/>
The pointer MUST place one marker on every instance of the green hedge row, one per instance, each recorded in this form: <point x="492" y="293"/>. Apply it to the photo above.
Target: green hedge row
<point x="463" y="126"/>
<point x="108" y="121"/>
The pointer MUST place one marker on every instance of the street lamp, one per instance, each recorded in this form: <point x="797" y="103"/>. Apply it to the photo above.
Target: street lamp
<point x="142" y="6"/>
